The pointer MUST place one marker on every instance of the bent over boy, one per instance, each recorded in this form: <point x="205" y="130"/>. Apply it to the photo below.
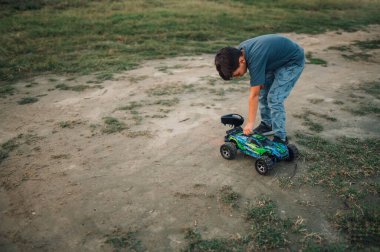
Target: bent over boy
<point x="275" y="63"/>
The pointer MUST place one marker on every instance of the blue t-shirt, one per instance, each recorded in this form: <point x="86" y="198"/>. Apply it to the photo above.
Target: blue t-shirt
<point x="267" y="53"/>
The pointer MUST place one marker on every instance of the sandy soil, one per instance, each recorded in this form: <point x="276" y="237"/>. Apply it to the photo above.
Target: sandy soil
<point x="67" y="188"/>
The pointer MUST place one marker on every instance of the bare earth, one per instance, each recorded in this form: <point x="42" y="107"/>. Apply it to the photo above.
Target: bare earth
<point x="68" y="185"/>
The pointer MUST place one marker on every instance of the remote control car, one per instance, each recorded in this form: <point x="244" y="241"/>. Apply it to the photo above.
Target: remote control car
<point x="266" y="151"/>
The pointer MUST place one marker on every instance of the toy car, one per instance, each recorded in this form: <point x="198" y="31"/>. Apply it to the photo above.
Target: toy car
<point x="266" y="151"/>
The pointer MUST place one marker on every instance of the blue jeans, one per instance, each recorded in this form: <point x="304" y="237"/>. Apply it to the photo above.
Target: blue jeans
<point x="278" y="85"/>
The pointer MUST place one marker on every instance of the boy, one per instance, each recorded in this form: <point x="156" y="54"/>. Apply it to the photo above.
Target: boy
<point x="275" y="63"/>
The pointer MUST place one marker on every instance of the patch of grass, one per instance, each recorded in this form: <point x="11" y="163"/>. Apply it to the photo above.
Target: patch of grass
<point x="27" y="100"/>
<point x="113" y="125"/>
<point x="340" y="165"/>
<point x="172" y="89"/>
<point x="364" y="109"/>
<point x="315" y="61"/>
<point x="341" y="48"/>
<point x="166" y="102"/>
<point x="338" y="102"/>
<point x="315" y="101"/>
<point x="132" y="105"/>
<point x="104" y="76"/>
<point x="91" y="36"/>
<point x="77" y="88"/>
<point x="368" y="44"/>
<point x="313" y="126"/>
<point x="361" y="224"/>
<point x="6" y="90"/>
<point x="124" y="241"/>
<point x="371" y="88"/>
<point x="32" y="84"/>
<point x="69" y="124"/>
<point x="268" y="232"/>
<point x="229" y="197"/>
<point x="143" y="133"/>
<point x="7" y="147"/>
<point x="359" y="56"/>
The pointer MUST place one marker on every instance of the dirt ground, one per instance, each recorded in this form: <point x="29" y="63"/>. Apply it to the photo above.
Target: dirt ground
<point x="69" y="185"/>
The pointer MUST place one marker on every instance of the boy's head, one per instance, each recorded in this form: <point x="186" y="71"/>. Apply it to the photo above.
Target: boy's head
<point x="230" y="62"/>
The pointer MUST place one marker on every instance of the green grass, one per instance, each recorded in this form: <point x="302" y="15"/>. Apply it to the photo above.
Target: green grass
<point x="354" y="54"/>
<point x="229" y="197"/>
<point x="7" y="147"/>
<point x="113" y="125"/>
<point x="315" y="61"/>
<point x="268" y="232"/>
<point x="86" y="36"/>
<point x="344" y="166"/>
<point x="124" y="241"/>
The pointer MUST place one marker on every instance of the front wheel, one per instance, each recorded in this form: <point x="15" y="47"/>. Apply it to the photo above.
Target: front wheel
<point x="293" y="152"/>
<point x="228" y="151"/>
<point x="263" y="165"/>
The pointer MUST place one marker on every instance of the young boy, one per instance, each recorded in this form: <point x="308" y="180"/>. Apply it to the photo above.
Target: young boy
<point x="275" y="63"/>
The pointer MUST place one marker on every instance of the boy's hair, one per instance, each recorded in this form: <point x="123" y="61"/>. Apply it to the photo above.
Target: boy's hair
<point x="227" y="61"/>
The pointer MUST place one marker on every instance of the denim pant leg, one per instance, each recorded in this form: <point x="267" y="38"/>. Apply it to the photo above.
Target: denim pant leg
<point x="263" y="99"/>
<point x="284" y="81"/>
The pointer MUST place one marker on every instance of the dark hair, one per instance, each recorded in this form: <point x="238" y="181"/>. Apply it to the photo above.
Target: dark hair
<point x="227" y="61"/>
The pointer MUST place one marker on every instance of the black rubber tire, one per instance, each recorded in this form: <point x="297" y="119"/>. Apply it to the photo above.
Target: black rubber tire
<point x="228" y="151"/>
<point x="263" y="165"/>
<point x="293" y="152"/>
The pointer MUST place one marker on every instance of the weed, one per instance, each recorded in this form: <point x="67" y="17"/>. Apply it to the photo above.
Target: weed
<point x="113" y="125"/>
<point x="229" y="197"/>
<point x="166" y="90"/>
<point x="7" y="147"/>
<point x="27" y="100"/>
<point x="338" y="102"/>
<point x="315" y="61"/>
<point x="52" y="79"/>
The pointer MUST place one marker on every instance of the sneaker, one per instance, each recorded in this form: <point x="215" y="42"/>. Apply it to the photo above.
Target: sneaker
<point x="263" y="129"/>
<point x="279" y="140"/>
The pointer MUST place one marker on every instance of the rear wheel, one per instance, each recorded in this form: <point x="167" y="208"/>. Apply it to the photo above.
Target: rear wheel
<point x="228" y="151"/>
<point x="293" y="152"/>
<point x="263" y="165"/>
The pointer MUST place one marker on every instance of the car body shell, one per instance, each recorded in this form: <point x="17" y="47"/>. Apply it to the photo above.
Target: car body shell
<point x="257" y="145"/>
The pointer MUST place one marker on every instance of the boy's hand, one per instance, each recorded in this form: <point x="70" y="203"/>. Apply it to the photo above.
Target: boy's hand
<point x="248" y="128"/>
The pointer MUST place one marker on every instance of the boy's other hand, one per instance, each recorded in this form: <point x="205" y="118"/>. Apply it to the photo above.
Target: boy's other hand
<point x="248" y="128"/>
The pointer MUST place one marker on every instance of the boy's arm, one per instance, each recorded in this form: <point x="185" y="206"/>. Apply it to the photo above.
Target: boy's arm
<point x="252" y="109"/>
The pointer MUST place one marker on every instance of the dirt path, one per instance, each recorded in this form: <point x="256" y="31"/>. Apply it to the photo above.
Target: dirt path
<point x="67" y="184"/>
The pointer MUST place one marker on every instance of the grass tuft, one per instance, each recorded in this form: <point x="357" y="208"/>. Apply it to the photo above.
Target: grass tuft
<point x="229" y="197"/>
<point x="113" y="125"/>
<point x="315" y="61"/>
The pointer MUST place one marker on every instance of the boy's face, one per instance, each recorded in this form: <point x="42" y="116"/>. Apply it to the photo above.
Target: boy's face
<point x="242" y="69"/>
